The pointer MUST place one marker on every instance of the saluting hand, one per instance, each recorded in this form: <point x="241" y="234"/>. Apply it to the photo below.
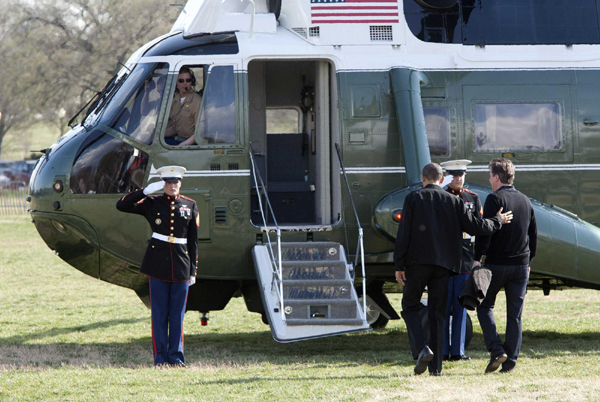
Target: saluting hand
<point x="506" y="217"/>
<point x="154" y="187"/>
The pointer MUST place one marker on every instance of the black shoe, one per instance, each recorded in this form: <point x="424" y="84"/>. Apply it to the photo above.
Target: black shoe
<point x="506" y="370"/>
<point x="455" y="358"/>
<point x="495" y="362"/>
<point x="435" y="373"/>
<point x="178" y="365"/>
<point x="424" y="358"/>
<point x="445" y="358"/>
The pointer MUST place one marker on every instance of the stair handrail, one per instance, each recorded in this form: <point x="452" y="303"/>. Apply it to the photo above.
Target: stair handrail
<point x="360" y="246"/>
<point x="278" y="265"/>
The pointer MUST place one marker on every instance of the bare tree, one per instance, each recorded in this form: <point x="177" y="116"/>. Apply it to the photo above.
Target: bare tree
<point x="54" y="55"/>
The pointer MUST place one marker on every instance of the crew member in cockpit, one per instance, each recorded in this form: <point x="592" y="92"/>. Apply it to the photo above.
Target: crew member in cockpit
<point x="184" y="110"/>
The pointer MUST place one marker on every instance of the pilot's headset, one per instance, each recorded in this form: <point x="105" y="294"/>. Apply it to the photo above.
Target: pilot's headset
<point x="187" y="70"/>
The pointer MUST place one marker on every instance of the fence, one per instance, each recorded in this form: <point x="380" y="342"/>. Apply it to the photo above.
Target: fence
<point x="13" y="198"/>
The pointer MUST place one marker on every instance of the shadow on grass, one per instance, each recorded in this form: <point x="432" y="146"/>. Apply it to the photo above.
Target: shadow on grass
<point x="21" y="339"/>
<point x="218" y="350"/>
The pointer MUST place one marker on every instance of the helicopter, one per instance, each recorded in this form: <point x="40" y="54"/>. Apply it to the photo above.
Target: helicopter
<point x="316" y="119"/>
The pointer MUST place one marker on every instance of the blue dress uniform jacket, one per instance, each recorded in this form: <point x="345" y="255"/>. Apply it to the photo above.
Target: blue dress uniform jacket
<point x="176" y="217"/>
<point x="473" y="204"/>
<point x="430" y="231"/>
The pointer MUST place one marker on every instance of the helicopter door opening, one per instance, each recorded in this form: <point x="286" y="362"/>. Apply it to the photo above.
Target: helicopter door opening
<point x="293" y="127"/>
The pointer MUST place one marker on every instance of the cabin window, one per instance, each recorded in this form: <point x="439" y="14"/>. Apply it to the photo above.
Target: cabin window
<point x="517" y="126"/>
<point x="137" y="103"/>
<point x="502" y="22"/>
<point x="437" y="125"/>
<point x="283" y="121"/>
<point x="107" y="165"/>
<point x="218" y="118"/>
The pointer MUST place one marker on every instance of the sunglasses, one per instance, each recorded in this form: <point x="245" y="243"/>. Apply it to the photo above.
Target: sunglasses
<point x="182" y="80"/>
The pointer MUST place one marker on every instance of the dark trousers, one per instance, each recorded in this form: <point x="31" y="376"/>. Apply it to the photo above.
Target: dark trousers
<point x="167" y="303"/>
<point x="514" y="280"/>
<point x="454" y="338"/>
<point x="436" y="280"/>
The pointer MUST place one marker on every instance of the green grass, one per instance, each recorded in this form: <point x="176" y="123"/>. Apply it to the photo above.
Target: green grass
<point x="18" y="143"/>
<point x="66" y="336"/>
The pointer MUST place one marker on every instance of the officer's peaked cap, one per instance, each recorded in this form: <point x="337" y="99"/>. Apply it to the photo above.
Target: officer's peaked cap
<point x="171" y="173"/>
<point x="459" y="165"/>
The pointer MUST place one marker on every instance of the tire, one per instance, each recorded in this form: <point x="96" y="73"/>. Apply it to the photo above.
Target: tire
<point x="375" y="318"/>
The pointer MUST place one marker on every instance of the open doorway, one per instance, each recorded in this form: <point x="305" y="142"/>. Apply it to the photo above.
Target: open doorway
<point x="293" y="126"/>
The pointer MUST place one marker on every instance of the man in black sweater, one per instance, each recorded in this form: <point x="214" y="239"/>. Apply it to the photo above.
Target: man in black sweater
<point x="508" y="254"/>
<point x="428" y="249"/>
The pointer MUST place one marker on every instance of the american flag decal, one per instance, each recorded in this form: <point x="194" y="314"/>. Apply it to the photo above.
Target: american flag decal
<point x="354" y="11"/>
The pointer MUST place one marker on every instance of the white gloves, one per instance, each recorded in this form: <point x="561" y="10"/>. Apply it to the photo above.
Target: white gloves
<point x="192" y="280"/>
<point x="154" y="187"/>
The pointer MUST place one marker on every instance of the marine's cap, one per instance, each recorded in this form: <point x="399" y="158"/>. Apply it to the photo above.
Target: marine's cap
<point x="458" y="166"/>
<point x="171" y="174"/>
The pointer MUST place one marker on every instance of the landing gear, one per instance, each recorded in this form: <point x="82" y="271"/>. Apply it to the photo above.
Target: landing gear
<point x="375" y="318"/>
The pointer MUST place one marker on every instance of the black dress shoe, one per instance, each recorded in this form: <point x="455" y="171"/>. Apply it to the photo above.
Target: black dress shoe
<point x="445" y="358"/>
<point x="495" y="362"/>
<point x="455" y="358"/>
<point x="506" y="370"/>
<point x="424" y="358"/>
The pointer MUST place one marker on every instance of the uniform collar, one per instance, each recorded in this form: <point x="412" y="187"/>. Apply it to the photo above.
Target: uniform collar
<point x="168" y="197"/>
<point x="455" y="192"/>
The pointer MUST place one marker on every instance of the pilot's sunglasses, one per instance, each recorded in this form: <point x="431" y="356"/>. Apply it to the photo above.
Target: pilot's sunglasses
<point x="182" y="80"/>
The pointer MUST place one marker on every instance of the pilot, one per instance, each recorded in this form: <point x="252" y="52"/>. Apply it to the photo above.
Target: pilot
<point x="170" y="260"/>
<point x="184" y="110"/>
<point x="454" y="347"/>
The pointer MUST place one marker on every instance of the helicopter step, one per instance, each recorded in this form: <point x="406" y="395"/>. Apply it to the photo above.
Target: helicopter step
<point x="315" y="288"/>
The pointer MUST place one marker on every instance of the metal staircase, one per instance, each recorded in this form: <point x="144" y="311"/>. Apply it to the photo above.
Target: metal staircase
<point x="307" y="288"/>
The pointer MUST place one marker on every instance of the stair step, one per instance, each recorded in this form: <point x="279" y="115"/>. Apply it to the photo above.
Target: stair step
<point x="320" y="309"/>
<point x="312" y="251"/>
<point x="323" y="321"/>
<point x="317" y="290"/>
<point x="311" y="270"/>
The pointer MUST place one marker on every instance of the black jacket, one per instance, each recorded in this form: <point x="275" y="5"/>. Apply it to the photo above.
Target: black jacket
<point x="430" y="230"/>
<point x="169" y="216"/>
<point x="514" y="244"/>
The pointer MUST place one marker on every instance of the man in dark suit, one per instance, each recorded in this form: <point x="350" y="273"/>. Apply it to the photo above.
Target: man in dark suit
<point x="508" y="255"/>
<point x="428" y="249"/>
<point x="170" y="260"/>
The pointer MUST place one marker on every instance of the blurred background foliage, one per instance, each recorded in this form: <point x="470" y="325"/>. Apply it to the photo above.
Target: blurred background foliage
<point x="56" y="54"/>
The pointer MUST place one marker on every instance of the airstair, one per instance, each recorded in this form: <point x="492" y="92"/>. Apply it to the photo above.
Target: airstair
<point x="308" y="287"/>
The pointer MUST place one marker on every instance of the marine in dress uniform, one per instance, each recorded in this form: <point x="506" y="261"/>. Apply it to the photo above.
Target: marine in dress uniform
<point x="170" y="260"/>
<point x="428" y="249"/>
<point x="454" y="341"/>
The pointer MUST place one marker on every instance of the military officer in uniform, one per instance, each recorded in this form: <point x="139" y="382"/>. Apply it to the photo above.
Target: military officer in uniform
<point x="454" y="347"/>
<point x="170" y="260"/>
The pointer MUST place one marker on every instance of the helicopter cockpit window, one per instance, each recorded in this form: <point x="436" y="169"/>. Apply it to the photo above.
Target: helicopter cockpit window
<point x="138" y="116"/>
<point x="517" y="126"/>
<point x="437" y="125"/>
<point x="107" y="165"/>
<point x="218" y="117"/>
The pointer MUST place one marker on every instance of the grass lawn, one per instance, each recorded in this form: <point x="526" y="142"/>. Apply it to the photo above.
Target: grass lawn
<point x="66" y="336"/>
<point x="18" y="143"/>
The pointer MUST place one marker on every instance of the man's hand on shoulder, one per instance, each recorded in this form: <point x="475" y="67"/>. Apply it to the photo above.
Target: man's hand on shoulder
<point x="506" y="217"/>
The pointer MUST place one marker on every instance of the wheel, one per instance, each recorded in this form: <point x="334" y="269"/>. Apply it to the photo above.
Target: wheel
<point x="375" y="318"/>
<point x="425" y="325"/>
